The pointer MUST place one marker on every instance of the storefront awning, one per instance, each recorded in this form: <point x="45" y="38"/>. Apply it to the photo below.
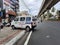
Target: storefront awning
<point x="10" y="12"/>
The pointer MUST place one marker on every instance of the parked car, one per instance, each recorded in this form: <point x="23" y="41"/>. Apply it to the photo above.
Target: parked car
<point x="25" y="22"/>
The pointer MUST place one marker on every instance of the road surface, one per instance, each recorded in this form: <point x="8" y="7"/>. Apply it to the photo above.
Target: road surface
<point x="47" y="33"/>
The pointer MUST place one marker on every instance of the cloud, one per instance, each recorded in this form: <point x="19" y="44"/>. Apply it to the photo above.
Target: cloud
<point x="22" y="6"/>
<point x="34" y="6"/>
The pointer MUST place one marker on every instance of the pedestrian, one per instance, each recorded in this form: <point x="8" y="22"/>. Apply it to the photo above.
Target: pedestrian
<point x="33" y="28"/>
<point x="0" y="22"/>
<point x="41" y="20"/>
<point x="0" y="25"/>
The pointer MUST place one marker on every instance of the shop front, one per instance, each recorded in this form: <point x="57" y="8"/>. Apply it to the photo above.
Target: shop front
<point x="10" y="16"/>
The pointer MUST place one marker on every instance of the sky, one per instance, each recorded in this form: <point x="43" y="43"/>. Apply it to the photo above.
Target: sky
<point x="33" y="6"/>
<point x="57" y="6"/>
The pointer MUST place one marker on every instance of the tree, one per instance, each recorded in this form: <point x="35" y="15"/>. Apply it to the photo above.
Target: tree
<point x="53" y="9"/>
<point x="58" y="14"/>
<point x="49" y="14"/>
<point x="44" y="16"/>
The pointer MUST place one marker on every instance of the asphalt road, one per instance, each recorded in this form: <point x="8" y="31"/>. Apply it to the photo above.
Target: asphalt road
<point x="21" y="41"/>
<point x="47" y="33"/>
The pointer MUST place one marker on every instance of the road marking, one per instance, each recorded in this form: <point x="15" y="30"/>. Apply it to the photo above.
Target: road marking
<point x="11" y="42"/>
<point x="47" y="36"/>
<point x="26" y="42"/>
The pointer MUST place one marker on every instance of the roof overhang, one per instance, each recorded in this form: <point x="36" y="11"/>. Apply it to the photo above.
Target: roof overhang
<point x="47" y="5"/>
<point x="11" y="12"/>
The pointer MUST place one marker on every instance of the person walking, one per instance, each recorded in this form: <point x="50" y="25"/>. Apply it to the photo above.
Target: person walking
<point x="1" y="25"/>
<point x="41" y="19"/>
<point x="0" y="22"/>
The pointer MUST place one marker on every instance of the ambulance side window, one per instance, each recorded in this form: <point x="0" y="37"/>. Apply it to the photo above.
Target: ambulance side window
<point x="16" y="19"/>
<point x="22" y="19"/>
<point x="28" y="18"/>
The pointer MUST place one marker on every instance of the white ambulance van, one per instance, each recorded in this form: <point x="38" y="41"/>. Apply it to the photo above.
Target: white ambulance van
<point x="26" y="22"/>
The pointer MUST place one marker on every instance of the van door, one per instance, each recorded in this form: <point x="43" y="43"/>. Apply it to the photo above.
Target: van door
<point x="22" y="22"/>
<point x="28" y="21"/>
<point x="16" y="22"/>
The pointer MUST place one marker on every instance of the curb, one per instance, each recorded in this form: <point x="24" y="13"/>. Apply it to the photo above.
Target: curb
<point x="12" y="41"/>
<point x="27" y="40"/>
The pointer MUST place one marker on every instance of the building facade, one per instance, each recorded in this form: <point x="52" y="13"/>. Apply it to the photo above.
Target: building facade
<point x="1" y="7"/>
<point x="15" y="5"/>
<point x="22" y="13"/>
<point x="9" y="9"/>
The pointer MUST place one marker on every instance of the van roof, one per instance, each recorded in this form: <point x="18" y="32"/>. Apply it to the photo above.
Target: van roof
<point x="25" y="16"/>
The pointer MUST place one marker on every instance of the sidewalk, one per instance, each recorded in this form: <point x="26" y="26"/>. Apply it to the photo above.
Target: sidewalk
<point x="7" y="34"/>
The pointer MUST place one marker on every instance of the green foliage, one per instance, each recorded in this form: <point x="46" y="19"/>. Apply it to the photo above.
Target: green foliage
<point x="53" y="9"/>
<point x="44" y="16"/>
<point x="57" y="12"/>
<point x="50" y="15"/>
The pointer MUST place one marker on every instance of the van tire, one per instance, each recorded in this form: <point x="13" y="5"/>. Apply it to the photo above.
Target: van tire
<point x="27" y="29"/>
<point x="13" y="27"/>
